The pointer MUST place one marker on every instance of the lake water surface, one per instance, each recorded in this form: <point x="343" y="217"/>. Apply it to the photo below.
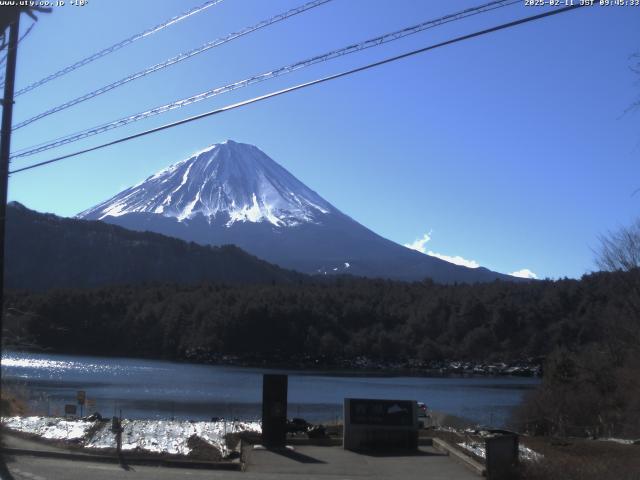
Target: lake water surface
<point x="159" y="389"/>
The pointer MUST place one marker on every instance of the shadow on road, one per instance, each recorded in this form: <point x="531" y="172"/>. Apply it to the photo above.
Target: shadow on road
<point x="398" y="453"/>
<point x="124" y="465"/>
<point x="5" y="474"/>
<point x="295" y="456"/>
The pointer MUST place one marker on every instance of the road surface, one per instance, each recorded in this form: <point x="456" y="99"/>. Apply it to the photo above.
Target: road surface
<point x="305" y="462"/>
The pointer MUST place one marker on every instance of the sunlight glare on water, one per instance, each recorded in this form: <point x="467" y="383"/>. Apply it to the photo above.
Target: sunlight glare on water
<point x="61" y="366"/>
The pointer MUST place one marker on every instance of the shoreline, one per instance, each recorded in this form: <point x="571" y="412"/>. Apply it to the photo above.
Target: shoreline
<point x="358" y="367"/>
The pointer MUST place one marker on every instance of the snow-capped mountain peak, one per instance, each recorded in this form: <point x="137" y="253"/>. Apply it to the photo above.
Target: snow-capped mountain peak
<point x="233" y="194"/>
<point x="235" y="180"/>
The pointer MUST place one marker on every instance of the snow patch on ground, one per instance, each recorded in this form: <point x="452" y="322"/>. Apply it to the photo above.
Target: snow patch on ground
<point x="479" y="449"/>
<point x="50" y="428"/>
<point x="159" y="436"/>
<point x="622" y="441"/>
<point x="154" y="436"/>
<point x="475" y="448"/>
<point x="531" y="455"/>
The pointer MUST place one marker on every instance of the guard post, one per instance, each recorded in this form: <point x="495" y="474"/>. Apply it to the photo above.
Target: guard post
<point x="274" y="410"/>
<point x="502" y="457"/>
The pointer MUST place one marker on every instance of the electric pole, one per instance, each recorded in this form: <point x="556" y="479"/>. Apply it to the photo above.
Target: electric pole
<point x="5" y="145"/>
<point x="5" y="150"/>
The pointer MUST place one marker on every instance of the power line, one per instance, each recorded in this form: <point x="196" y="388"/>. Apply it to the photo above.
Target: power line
<point x="304" y="85"/>
<point x="119" y="45"/>
<point x="22" y="37"/>
<point x="173" y="60"/>
<point x="373" y="42"/>
<point x="4" y="58"/>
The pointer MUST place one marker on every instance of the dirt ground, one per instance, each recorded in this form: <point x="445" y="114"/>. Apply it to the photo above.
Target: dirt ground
<point x="582" y="459"/>
<point x="567" y="459"/>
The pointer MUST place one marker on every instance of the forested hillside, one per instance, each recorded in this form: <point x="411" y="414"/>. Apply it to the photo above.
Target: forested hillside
<point x="346" y="318"/>
<point x="45" y="251"/>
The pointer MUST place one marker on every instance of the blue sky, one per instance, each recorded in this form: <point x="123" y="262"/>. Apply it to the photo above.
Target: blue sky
<point x="511" y="150"/>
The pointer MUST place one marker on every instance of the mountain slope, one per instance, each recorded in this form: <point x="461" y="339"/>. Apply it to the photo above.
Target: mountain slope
<point x="45" y="251"/>
<point x="233" y="193"/>
<point x="229" y="179"/>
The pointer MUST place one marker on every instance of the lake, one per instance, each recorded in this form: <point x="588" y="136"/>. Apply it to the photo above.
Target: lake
<point x="160" y="389"/>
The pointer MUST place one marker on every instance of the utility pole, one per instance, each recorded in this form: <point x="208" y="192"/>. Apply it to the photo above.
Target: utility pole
<point x="5" y="149"/>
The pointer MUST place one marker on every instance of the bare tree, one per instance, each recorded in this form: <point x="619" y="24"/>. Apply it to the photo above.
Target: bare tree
<point x="635" y="68"/>
<point x="620" y="250"/>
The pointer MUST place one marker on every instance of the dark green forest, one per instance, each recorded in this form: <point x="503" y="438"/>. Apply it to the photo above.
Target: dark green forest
<point x="345" y="318"/>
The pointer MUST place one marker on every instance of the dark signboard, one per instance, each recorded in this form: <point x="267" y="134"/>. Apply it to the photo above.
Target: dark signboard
<point x="274" y="410"/>
<point x="397" y="413"/>
<point x="70" y="409"/>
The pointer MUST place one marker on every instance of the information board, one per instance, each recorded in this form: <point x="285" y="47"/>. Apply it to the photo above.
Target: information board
<point x="381" y="412"/>
<point x="380" y="424"/>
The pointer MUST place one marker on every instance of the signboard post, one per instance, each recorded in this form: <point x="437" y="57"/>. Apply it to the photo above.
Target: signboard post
<point x="377" y="424"/>
<point x="70" y="410"/>
<point x="81" y="396"/>
<point x="116" y="428"/>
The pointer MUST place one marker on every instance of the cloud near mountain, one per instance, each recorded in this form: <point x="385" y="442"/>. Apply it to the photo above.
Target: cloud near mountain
<point x="419" y="246"/>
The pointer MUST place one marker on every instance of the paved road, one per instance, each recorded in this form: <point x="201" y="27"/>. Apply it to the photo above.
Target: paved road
<point x="305" y="462"/>
<point x="24" y="467"/>
<point x="334" y="462"/>
<point x="22" y="442"/>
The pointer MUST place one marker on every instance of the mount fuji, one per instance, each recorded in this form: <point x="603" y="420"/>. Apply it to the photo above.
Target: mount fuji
<point x="233" y="193"/>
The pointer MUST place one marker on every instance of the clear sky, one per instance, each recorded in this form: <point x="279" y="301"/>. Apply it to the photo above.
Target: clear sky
<point x="511" y="150"/>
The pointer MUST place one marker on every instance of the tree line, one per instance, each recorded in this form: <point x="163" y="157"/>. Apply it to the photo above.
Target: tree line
<point x="347" y="317"/>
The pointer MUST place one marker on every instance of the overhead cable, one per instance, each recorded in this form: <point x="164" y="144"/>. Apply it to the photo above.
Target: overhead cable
<point x="22" y="37"/>
<point x="373" y="42"/>
<point x="173" y="60"/>
<point x="118" y="46"/>
<point x="4" y="57"/>
<point x="233" y="106"/>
